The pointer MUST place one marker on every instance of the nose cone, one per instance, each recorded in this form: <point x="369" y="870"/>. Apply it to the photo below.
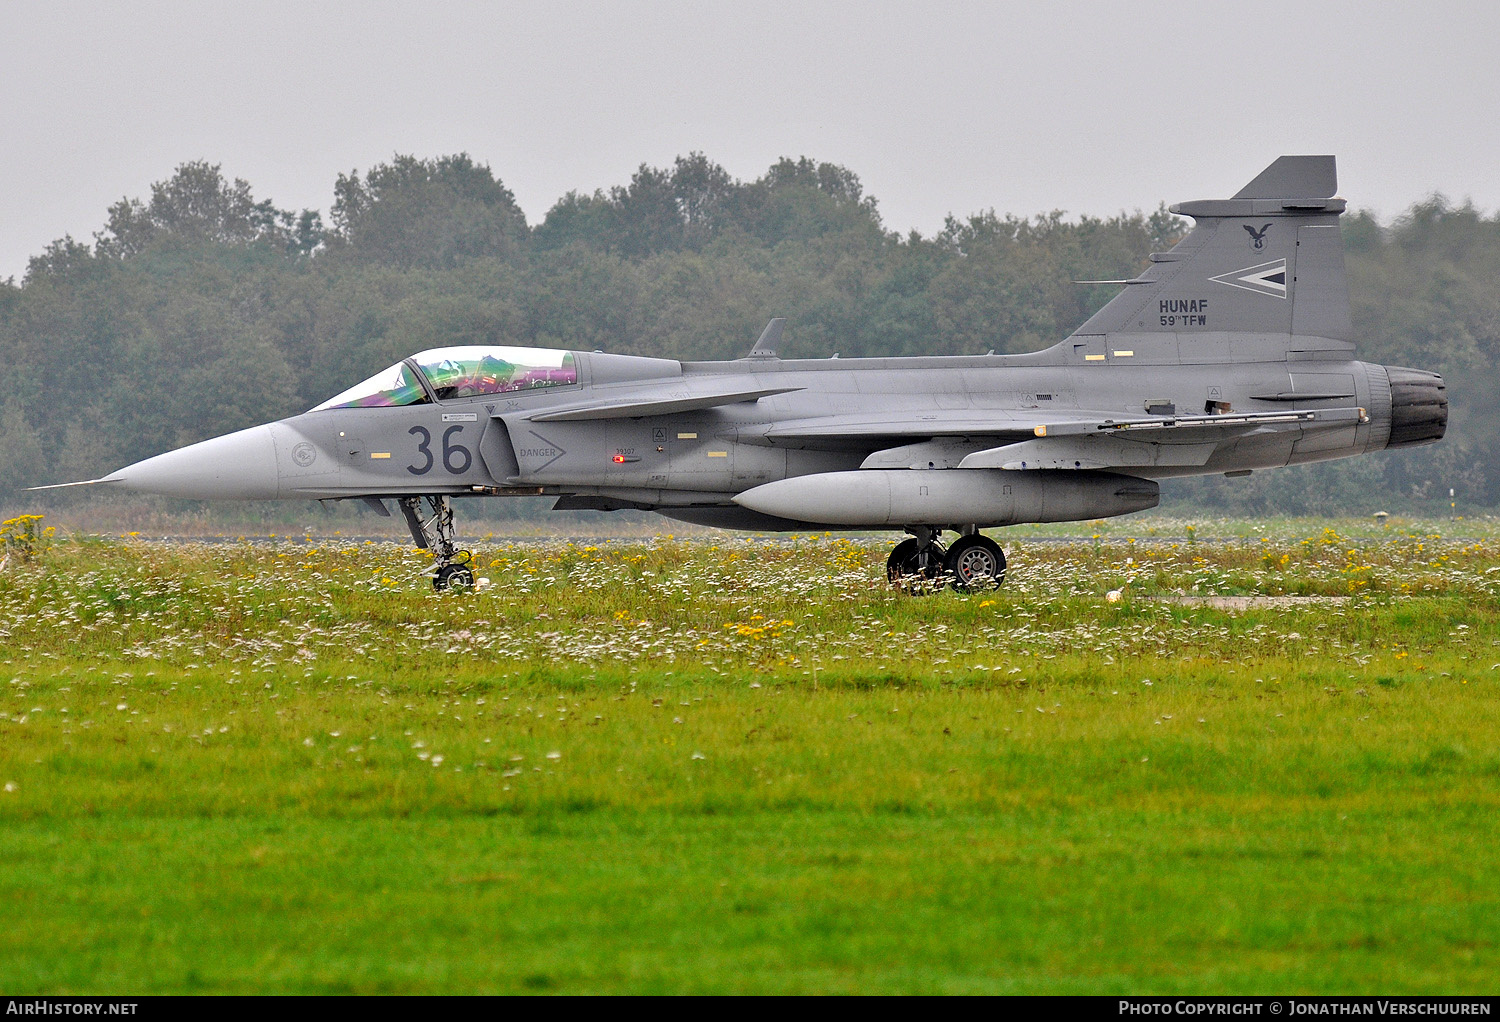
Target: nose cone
<point x="240" y="466"/>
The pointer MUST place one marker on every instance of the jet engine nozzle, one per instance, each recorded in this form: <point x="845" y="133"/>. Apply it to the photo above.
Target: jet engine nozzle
<point x="1419" y="407"/>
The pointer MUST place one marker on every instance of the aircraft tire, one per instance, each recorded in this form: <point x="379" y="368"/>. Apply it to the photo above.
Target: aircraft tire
<point x="905" y="568"/>
<point x="975" y="562"/>
<point x="453" y="575"/>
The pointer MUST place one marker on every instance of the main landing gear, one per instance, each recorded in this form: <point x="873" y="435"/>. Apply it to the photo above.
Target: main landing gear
<point x="922" y="563"/>
<point x="431" y="522"/>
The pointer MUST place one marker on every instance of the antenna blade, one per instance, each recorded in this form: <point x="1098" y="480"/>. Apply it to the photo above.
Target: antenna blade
<point x="770" y="340"/>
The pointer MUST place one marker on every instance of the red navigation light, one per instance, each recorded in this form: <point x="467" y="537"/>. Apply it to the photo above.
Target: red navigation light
<point x="619" y="459"/>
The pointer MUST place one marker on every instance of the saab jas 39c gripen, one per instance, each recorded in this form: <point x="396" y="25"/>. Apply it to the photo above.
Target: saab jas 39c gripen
<point x="1231" y="352"/>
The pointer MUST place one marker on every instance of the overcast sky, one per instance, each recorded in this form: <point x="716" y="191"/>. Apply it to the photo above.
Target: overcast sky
<point x="939" y="107"/>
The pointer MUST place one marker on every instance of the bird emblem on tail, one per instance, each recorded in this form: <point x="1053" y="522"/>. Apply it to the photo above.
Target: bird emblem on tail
<point x="1257" y="238"/>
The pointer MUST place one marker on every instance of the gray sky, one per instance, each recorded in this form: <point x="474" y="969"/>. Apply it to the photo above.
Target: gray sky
<point x="939" y="107"/>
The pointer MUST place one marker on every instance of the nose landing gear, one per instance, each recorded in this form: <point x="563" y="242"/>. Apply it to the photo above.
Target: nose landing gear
<point x="434" y="531"/>
<point x="921" y="563"/>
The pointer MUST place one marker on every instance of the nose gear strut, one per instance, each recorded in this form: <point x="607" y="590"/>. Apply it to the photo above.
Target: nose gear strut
<point x="435" y="532"/>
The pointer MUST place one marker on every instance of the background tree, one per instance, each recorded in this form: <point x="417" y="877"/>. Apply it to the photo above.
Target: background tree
<point x="434" y="214"/>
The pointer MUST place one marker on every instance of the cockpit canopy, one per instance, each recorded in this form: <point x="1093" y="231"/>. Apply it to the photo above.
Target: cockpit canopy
<point x="460" y="372"/>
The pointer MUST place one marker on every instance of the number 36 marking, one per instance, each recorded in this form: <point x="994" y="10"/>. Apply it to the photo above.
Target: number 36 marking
<point x="456" y="457"/>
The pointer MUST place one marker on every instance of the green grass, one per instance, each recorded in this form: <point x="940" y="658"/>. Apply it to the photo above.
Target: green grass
<point x="734" y="765"/>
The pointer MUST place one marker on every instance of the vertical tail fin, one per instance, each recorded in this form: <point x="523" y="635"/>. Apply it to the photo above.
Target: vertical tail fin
<point x="1268" y="261"/>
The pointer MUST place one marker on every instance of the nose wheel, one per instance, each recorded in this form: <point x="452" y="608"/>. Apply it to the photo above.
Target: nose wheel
<point x="431" y="522"/>
<point x="450" y="575"/>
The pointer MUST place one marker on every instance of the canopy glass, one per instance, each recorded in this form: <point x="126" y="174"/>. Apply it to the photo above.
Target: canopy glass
<point x="467" y="371"/>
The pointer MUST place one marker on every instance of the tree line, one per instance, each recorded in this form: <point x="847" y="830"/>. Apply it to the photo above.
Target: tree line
<point x="199" y="309"/>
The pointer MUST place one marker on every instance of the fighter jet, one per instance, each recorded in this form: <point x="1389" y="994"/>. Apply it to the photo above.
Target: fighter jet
<point x="1230" y="353"/>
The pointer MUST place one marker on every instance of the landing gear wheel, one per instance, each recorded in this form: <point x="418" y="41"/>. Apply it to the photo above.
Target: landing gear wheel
<point x="975" y="562"/>
<point x="450" y="575"/>
<point x="910" y="564"/>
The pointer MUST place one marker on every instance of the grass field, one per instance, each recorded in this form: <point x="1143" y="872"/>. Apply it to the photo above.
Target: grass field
<point x="734" y="764"/>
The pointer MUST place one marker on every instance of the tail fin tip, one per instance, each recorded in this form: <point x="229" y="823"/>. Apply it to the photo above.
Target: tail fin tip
<point x="1294" y="177"/>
